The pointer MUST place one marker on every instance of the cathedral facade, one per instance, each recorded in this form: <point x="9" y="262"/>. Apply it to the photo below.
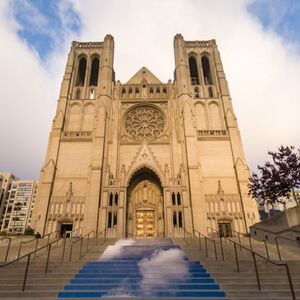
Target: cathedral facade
<point x="144" y="158"/>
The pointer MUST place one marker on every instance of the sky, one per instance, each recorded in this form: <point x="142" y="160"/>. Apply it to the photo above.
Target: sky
<point x="259" y="42"/>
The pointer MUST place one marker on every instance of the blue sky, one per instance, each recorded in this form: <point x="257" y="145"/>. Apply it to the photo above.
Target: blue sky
<point x="259" y="42"/>
<point x="280" y="16"/>
<point x="43" y="23"/>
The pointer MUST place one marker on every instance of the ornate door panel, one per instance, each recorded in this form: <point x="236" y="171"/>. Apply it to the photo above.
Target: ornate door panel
<point x="145" y="210"/>
<point x="145" y="223"/>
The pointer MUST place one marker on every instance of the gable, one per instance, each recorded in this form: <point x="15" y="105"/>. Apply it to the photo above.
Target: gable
<point x="144" y="74"/>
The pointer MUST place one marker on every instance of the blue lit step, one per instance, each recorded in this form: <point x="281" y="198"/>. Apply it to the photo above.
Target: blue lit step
<point x="133" y="280"/>
<point x="154" y="294"/>
<point x="119" y="264"/>
<point x="149" y="287"/>
<point x="130" y="275"/>
<point x="134" y="270"/>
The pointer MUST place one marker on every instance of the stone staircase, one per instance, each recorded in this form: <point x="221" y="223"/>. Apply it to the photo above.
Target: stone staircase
<point x="243" y="285"/>
<point x="151" y="269"/>
<point x="144" y="268"/>
<point x="46" y="286"/>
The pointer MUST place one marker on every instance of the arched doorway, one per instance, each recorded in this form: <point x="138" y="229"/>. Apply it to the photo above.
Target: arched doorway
<point x="145" y="213"/>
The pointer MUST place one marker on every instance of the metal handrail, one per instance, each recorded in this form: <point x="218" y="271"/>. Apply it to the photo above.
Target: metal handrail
<point x="186" y="233"/>
<point x="81" y="240"/>
<point x="74" y="230"/>
<point x="36" y="242"/>
<point x="279" y="264"/>
<point x="28" y="255"/>
<point x="276" y="232"/>
<point x="284" y="238"/>
<point x="8" y="246"/>
<point x="245" y="235"/>
<point x="100" y="235"/>
<point x="205" y="240"/>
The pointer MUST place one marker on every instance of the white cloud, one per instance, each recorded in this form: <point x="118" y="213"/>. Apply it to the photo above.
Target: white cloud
<point x="116" y="249"/>
<point x="163" y="268"/>
<point x="263" y="71"/>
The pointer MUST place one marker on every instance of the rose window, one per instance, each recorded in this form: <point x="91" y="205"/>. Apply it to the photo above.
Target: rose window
<point x="144" y="122"/>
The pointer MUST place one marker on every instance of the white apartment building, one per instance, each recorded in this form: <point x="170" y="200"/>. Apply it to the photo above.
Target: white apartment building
<point x="19" y="205"/>
<point x="6" y="180"/>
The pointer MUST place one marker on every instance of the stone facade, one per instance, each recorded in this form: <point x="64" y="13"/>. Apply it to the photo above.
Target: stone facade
<point x="144" y="158"/>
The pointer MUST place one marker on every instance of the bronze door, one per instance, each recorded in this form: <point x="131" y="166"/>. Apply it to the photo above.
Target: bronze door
<point x="145" y="223"/>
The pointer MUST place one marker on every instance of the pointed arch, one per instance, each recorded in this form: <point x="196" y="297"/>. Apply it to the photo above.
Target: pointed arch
<point x="194" y="74"/>
<point x="81" y="71"/>
<point x="206" y="69"/>
<point x="200" y="116"/>
<point x="88" y="119"/>
<point x="214" y="116"/>
<point x="94" y="71"/>
<point x="74" y="117"/>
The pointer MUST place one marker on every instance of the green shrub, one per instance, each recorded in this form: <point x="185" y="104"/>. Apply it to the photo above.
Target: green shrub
<point x="28" y="231"/>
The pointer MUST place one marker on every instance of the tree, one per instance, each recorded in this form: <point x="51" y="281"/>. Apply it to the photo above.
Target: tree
<point x="278" y="178"/>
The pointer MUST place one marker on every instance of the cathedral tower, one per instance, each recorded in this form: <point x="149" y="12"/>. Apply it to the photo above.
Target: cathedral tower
<point x="144" y="158"/>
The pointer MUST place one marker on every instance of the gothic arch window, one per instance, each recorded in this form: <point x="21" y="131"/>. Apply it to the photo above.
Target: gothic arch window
<point x="151" y="90"/>
<point x="130" y="91"/>
<point x="116" y="199"/>
<point x="115" y="219"/>
<point x="164" y="90"/>
<point x="123" y="91"/>
<point x="158" y="90"/>
<point x="144" y="122"/>
<point x="180" y="219"/>
<point x="81" y="72"/>
<point x="94" y="71"/>
<point x="137" y="90"/>
<point x="206" y="70"/>
<point x="109" y="220"/>
<point x="110" y="199"/>
<point x="174" y="219"/>
<point x="178" y="199"/>
<point x="193" y="70"/>
<point x="173" y="199"/>
<point x="210" y="92"/>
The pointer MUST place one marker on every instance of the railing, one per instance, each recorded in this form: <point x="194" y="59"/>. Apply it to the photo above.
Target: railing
<point x="283" y="238"/>
<point x="101" y="234"/>
<point x="205" y="241"/>
<point x="254" y="254"/>
<point x="8" y="246"/>
<point x="65" y="241"/>
<point x="239" y="238"/>
<point x="28" y="255"/>
<point x="81" y="241"/>
<point x="71" y="232"/>
<point x="36" y="242"/>
<point x="192" y="235"/>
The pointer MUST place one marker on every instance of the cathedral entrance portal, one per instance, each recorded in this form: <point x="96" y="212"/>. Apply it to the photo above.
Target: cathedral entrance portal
<point x="145" y="216"/>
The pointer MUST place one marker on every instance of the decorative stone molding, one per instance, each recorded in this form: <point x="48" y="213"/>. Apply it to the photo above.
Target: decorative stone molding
<point x="144" y="123"/>
<point x="203" y="134"/>
<point x="85" y="135"/>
